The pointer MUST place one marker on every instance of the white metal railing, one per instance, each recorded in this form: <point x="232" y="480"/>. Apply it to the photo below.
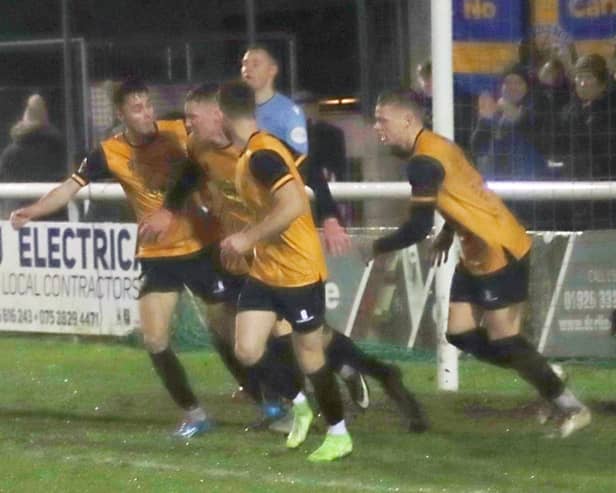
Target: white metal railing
<point x="510" y="190"/>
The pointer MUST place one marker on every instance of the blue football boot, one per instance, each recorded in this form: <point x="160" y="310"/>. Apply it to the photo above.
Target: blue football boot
<point x="190" y="429"/>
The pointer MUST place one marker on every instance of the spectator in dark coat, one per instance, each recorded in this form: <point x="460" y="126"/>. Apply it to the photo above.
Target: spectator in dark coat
<point x="556" y="91"/>
<point x="36" y="153"/>
<point x="586" y="139"/>
<point x="554" y="84"/>
<point x="326" y="159"/>
<point x="506" y="140"/>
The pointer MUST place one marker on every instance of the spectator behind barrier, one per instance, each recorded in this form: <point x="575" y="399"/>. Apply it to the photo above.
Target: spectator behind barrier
<point x="585" y="139"/>
<point x="463" y="105"/>
<point x="326" y="141"/>
<point x="612" y="59"/>
<point x="37" y="153"/>
<point x="424" y="81"/>
<point x="506" y="140"/>
<point x="556" y="91"/>
<point x="327" y="150"/>
<point x="554" y="84"/>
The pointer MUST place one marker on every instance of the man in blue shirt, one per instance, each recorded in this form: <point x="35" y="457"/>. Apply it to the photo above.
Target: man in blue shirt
<point x="276" y="113"/>
<point x="280" y="116"/>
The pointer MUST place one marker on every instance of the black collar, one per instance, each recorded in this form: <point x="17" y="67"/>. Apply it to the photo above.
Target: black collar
<point x="149" y="140"/>
<point x="416" y="139"/>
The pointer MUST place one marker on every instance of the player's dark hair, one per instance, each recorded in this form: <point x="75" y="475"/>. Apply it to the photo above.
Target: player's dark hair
<point x="404" y="98"/>
<point x="203" y="92"/>
<point x="237" y="99"/>
<point x="125" y="88"/>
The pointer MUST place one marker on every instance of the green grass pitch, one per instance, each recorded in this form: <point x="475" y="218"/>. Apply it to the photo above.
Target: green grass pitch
<point x="92" y="417"/>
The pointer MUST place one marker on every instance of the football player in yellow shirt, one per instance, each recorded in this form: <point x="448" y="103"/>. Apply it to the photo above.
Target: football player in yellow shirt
<point x="490" y="285"/>
<point x="141" y="159"/>
<point x="212" y="169"/>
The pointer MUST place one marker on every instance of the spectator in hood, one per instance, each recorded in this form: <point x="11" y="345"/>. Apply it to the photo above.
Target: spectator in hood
<point x="36" y="153"/>
<point x="587" y="139"/>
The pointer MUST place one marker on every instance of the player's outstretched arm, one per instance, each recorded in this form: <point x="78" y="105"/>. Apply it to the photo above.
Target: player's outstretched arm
<point x="415" y="229"/>
<point x="48" y="204"/>
<point x="425" y="175"/>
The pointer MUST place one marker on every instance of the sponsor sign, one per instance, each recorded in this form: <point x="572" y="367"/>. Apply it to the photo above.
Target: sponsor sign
<point x="73" y="278"/>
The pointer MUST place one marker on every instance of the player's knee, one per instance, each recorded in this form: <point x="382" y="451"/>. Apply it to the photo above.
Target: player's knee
<point x="309" y="351"/>
<point x="474" y="342"/>
<point x="310" y="362"/>
<point x="155" y="341"/>
<point x="514" y="351"/>
<point x="311" y="342"/>
<point x="248" y="354"/>
<point x="463" y="341"/>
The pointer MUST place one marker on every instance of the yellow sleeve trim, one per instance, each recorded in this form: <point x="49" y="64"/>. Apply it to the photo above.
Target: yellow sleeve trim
<point x="81" y="181"/>
<point x="282" y="181"/>
<point x="301" y="160"/>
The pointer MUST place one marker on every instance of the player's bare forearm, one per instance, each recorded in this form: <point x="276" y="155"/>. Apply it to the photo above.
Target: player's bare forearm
<point x="49" y="203"/>
<point x="56" y="199"/>
<point x="288" y="206"/>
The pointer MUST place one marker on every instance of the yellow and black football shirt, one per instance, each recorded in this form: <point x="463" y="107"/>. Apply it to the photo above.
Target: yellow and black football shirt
<point x="144" y="172"/>
<point x="486" y="227"/>
<point x="295" y="258"/>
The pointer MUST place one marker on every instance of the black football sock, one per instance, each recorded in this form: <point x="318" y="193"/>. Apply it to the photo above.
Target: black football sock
<point x="476" y="342"/>
<point x="272" y="375"/>
<point x="520" y="355"/>
<point x="280" y="350"/>
<point x="405" y="400"/>
<point x="173" y="376"/>
<point x="239" y="371"/>
<point x="343" y="351"/>
<point x="327" y="395"/>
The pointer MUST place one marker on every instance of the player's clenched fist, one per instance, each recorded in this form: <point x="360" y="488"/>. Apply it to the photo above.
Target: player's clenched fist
<point x="337" y="241"/>
<point x="238" y="244"/>
<point x="155" y="225"/>
<point x="20" y="217"/>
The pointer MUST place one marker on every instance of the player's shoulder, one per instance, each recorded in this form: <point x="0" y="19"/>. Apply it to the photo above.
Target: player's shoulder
<point x="424" y="168"/>
<point x="114" y="144"/>
<point x="285" y="103"/>
<point x="266" y="141"/>
<point x="438" y="145"/>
